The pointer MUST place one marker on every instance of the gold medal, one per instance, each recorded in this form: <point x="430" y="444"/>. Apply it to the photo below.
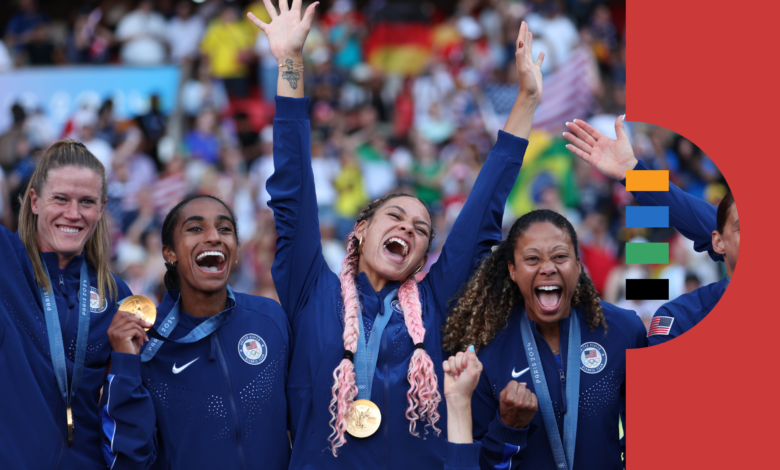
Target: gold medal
<point x="141" y="306"/>
<point x="365" y="418"/>
<point x="69" y="413"/>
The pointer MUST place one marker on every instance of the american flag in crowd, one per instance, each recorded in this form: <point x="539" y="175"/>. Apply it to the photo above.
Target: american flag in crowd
<point x="660" y="326"/>
<point x="567" y="95"/>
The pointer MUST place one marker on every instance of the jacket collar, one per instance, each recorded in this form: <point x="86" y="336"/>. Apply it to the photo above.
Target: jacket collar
<point x="52" y="263"/>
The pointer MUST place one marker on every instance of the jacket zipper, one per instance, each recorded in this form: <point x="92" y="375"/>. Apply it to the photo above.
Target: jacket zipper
<point x="233" y="407"/>
<point x="385" y="411"/>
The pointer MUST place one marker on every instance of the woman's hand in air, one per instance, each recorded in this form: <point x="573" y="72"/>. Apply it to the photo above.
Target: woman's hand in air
<point x="126" y="332"/>
<point x="287" y="31"/>
<point x="461" y="374"/>
<point x="518" y="405"/>
<point x="528" y="71"/>
<point x="612" y="158"/>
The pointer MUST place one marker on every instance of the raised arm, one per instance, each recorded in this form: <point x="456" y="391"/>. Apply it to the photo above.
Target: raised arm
<point x="478" y="227"/>
<point x="692" y="217"/>
<point x="298" y="261"/>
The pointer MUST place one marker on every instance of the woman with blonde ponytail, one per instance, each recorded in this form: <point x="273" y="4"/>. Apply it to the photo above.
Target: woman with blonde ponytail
<point x="58" y="299"/>
<point x="365" y="381"/>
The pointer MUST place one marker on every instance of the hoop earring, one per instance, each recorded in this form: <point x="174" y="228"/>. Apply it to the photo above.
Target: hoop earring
<point x="360" y="246"/>
<point x="419" y="268"/>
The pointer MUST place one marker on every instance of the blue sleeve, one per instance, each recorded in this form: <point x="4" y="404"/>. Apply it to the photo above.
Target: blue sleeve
<point x="128" y="419"/>
<point x="674" y="331"/>
<point x="462" y="456"/>
<point x="478" y="226"/>
<point x="693" y="217"/>
<point x="298" y="261"/>
<point x="500" y="443"/>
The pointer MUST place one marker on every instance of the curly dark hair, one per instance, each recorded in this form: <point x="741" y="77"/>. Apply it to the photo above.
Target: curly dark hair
<point x="490" y="295"/>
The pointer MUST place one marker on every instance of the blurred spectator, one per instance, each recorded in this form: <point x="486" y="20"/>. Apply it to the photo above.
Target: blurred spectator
<point x="184" y="32"/>
<point x="153" y="126"/>
<point x="106" y="123"/>
<point x="89" y="41"/>
<point x="227" y="43"/>
<point x="553" y="27"/>
<point x="202" y="141"/>
<point x="142" y="33"/>
<point x="346" y="30"/>
<point x="101" y="149"/>
<point x="202" y="91"/>
<point x="8" y="141"/>
<point x="39" y="48"/>
<point x="19" y="30"/>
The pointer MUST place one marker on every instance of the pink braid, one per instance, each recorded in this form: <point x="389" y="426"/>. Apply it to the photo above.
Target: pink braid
<point x="344" y="388"/>
<point x="423" y="394"/>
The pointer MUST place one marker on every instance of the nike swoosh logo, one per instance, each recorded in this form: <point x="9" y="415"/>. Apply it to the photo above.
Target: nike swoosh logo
<point x="514" y="374"/>
<point x="176" y="370"/>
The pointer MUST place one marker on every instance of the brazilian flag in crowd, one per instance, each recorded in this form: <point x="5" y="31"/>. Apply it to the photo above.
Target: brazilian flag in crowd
<point x="546" y="162"/>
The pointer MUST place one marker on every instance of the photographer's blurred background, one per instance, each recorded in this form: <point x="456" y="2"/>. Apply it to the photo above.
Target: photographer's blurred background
<point x="176" y="98"/>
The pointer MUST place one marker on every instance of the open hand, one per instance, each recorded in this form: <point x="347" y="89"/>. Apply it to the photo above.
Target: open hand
<point x="528" y="71"/>
<point x="126" y="332"/>
<point x="287" y="31"/>
<point x="612" y="158"/>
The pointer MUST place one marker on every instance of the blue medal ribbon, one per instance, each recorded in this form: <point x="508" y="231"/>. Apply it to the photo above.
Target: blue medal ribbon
<point x="563" y="453"/>
<point x="367" y="354"/>
<point x="201" y="331"/>
<point x="56" y="346"/>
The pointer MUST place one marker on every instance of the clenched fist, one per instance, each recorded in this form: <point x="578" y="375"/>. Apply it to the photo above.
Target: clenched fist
<point x="518" y="405"/>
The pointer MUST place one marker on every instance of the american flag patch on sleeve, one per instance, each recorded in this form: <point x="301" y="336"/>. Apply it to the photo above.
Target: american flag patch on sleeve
<point x="660" y="326"/>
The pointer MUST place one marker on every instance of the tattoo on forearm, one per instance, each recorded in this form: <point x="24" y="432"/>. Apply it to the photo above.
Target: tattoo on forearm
<point x="290" y="75"/>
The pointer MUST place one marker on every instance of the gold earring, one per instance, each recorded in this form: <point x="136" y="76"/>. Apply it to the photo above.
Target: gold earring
<point x="419" y="268"/>
<point x="360" y="246"/>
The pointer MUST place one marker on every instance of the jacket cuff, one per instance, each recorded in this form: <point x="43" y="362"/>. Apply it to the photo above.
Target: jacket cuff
<point x="126" y="365"/>
<point x="639" y="166"/>
<point x="463" y="455"/>
<point x="511" y="146"/>
<point x="500" y="432"/>
<point x="292" y="108"/>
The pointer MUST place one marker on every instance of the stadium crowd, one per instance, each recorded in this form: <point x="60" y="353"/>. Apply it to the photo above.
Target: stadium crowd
<point x="404" y="96"/>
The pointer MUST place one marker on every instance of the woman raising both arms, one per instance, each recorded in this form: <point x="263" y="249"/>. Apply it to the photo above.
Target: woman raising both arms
<point x="365" y="381"/>
<point x="208" y="390"/>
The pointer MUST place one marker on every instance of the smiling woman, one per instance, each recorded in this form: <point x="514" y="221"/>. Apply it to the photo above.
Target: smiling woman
<point x="63" y="237"/>
<point x="165" y="398"/>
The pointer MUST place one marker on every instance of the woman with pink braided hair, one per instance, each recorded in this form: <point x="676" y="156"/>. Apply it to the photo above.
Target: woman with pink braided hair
<point x="367" y="357"/>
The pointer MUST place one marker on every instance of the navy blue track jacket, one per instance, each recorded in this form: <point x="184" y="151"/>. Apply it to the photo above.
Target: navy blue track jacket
<point x="602" y="393"/>
<point x="311" y="296"/>
<point x="204" y="404"/>
<point x="695" y="219"/>
<point x="33" y="433"/>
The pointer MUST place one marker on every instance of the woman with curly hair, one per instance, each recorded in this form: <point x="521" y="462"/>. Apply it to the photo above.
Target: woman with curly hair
<point x="548" y="343"/>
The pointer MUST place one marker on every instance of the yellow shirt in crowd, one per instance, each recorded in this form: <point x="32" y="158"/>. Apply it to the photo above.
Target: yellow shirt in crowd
<point x="225" y="43"/>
